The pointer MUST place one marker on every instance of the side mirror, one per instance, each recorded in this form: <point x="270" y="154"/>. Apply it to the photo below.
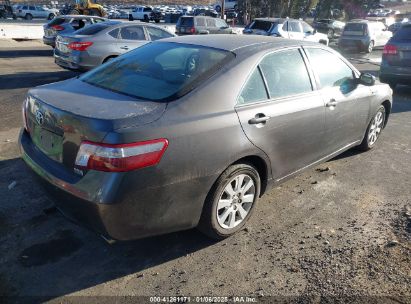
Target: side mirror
<point x="367" y="79"/>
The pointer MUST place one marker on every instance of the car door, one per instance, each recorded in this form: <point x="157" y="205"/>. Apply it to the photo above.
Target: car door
<point x="131" y="37"/>
<point x="347" y="105"/>
<point x="32" y="11"/>
<point x="294" y="30"/>
<point x="211" y="25"/>
<point x="282" y="113"/>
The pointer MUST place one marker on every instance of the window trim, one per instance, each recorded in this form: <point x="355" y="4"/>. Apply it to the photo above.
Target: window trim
<point x="276" y="99"/>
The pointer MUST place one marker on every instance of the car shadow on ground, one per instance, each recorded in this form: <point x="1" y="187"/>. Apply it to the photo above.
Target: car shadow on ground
<point x="32" y="79"/>
<point x="13" y="53"/>
<point x="45" y="255"/>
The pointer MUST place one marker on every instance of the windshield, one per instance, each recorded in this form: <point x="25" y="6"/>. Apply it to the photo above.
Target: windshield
<point x="355" y="29"/>
<point x="158" y="71"/>
<point x="404" y="33"/>
<point x="262" y="25"/>
<point x="94" y="28"/>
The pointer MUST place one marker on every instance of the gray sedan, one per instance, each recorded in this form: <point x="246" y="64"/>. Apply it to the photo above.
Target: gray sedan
<point x="396" y="59"/>
<point x="66" y="24"/>
<point x="190" y="131"/>
<point x="98" y="43"/>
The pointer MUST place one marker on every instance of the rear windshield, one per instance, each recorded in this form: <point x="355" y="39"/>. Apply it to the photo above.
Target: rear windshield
<point x="186" y="21"/>
<point x="355" y="29"/>
<point x="57" y="21"/>
<point x="93" y="29"/>
<point x="262" y="25"/>
<point x="159" y="71"/>
<point x="404" y="33"/>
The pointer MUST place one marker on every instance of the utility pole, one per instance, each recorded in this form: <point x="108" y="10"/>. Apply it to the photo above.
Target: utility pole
<point x="223" y="9"/>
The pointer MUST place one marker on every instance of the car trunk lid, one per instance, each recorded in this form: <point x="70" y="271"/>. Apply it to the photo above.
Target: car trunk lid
<point x="60" y="116"/>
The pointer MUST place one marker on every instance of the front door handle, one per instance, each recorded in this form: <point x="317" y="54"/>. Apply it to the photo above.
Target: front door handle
<point x="259" y="119"/>
<point x="124" y="47"/>
<point x="331" y="103"/>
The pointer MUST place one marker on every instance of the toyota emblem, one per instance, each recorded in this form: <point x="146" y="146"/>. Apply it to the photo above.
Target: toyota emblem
<point x="39" y="117"/>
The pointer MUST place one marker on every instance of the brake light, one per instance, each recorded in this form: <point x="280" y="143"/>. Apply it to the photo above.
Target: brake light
<point x="79" y="46"/>
<point x="57" y="27"/>
<point x="390" y="49"/>
<point x="192" y="30"/>
<point x="121" y="157"/>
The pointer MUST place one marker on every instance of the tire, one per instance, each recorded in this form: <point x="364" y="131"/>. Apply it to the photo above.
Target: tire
<point x="130" y="17"/>
<point x="375" y="127"/>
<point x="222" y="209"/>
<point x="370" y="47"/>
<point x="14" y="17"/>
<point x="157" y="21"/>
<point x="330" y="34"/>
<point x="146" y="18"/>
<point x="218" y="8"/>
<point x="28" y="17"/>
<point x="51" y="16"/>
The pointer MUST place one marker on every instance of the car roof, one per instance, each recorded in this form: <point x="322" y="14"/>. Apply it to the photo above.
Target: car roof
<point x="279" y="20"/>
<point x="237" y="43"/>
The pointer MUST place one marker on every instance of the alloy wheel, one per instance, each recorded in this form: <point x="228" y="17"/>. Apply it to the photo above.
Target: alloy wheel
<point x="236" y="201"/>
<point x="375" y="128"/>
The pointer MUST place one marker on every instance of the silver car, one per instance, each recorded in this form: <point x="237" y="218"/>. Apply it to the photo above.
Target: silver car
<point x="101" y="42"/>
<point x="29" y="12"/>
<point x="363" y="35"/>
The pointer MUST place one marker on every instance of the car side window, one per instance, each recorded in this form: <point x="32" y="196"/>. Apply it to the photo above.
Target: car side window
<point x="114" y="33"/>
<point x="331" y="70"/>
<point x="132" y="33"/>
<point x="156" y="33"/>
<point x="254" y="90"/>
<point x="200" y="21"/>
<point x="210" y="22"/>
<point x="294" y="26"/>
<point x="32" y="8"/>
<point x="221" y="23"/>
<point x="283" y="78"/>
<point x="307" y="28"/>
<point x="24" y="8"/>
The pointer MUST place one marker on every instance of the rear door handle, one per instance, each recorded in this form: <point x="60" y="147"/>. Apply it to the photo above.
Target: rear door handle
<point x="258" y="119"/>
<point x="331" y="103"/>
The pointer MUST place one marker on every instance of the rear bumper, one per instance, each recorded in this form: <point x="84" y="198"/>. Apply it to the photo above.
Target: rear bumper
<point x="395" y="74"/>
<point x="348" y="44"/>
<point x="72" y="61"/>
<point x="118" y="205"/>
<point x="49" y="41"/>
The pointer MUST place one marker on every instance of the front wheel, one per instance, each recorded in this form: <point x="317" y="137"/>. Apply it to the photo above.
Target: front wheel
<point x="231" y="201"/>
<point x="374" y="130"/>
<point x="130" y="17"/>
<point x="146" y="18"/>
<point x="28" y="17"/>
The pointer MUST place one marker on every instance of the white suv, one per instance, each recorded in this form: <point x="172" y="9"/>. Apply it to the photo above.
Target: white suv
<point x="31" y="11"/>
<point x="285" y="28"/>
<point x="228" y="5"/>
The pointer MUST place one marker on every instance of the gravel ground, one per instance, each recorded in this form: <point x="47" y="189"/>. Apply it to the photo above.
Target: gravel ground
<point x="339" y="232"/>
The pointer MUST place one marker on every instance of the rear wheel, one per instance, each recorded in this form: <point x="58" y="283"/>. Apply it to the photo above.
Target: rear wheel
<point x="146" y="18"/>
<point x="370" y="47"/>
<point x="28" y="17"/>
<point x="374" y="130"/>
<point x="231" y="201"/>
<point x="130" y="17"/>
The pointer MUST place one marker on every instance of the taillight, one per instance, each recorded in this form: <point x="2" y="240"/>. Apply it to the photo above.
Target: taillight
<point x="192" y="30"/>
<point x="390" y="49"/>
<point x="120" y="157"/>
<point x="79" y="46"/>
<point x="57" y="27"/>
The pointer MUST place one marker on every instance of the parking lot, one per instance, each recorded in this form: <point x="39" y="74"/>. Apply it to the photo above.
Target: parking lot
<point x="341" y="229"/>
